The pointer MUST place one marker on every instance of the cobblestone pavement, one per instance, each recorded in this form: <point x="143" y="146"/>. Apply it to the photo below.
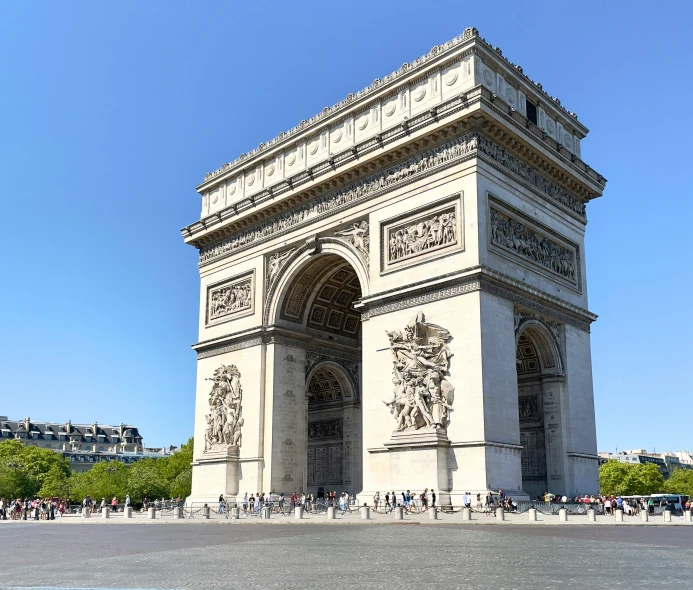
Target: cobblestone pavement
<point x="336" y="557"/>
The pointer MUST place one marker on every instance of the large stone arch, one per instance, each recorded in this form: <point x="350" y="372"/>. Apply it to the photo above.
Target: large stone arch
<point x="546" y="343"/>
<point x="325" y="248"/>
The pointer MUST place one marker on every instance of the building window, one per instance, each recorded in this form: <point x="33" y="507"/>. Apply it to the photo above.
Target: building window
<point x="531" y="112"/>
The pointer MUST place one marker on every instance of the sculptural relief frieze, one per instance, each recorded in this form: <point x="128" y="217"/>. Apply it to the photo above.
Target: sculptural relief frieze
<point x="419" y="165"/>
<point x="325" y="428"/>
<point x="326" y="205"/>
<point x="230" y="298"/>
<point x="522" y="240"/>
<point x="416" y="235"/>
<point x="224" y="420"/>
<point x="423" y="395"/>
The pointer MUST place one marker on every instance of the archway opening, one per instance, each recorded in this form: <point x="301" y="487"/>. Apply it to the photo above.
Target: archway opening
<point x="317" y="305"/>
<point x="535" y="362"/>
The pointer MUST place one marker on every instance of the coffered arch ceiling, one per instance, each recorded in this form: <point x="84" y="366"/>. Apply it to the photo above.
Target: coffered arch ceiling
<point x="322" y="296"/>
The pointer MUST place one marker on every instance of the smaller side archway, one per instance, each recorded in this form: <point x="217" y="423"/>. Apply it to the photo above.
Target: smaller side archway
<point x="334" y="431"/>
<point x="540" y="377"/>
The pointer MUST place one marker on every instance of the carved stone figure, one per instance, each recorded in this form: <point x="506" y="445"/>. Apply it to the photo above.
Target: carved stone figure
<point x="422" y="396"/>
<point x="515" y="236"/>
<point x="422" y="235"/>
<point x="230" y="299"/>
<point x="357" y="236"/>
<point x="224" y="420"/>
<point x="276" y="261"/>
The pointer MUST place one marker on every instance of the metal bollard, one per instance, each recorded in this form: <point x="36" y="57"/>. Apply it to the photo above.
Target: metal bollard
<point x="127" y="512"/>
<point x="235" y="513"/>
<point x="86" y="512"/>
<point x="331" y="513"/>
<point x="177" y="512"/>
<point x="644" y="515"/>
<point x="667" y="516"/>
<point x="433" y="514"/>
<point x="205" y="512"/>
<point x="563" y="515"/>
<point x="399" y="513"/>
<point x="687" y="516"/>
<point x="500" y="513"/>
<point x="106" y="512"/>
<point x="266" y="513"/>
<point x="365" y="513"/>
<point x="619" y="515"/>
<point x="532" y="513"/>
<point x="591" y="515"/>
<point x="299" y="513"/>
<point x="466" y="514"/>
<point x="151" y="513"/>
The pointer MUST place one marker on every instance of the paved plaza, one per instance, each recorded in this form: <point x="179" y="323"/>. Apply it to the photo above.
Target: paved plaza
<point x="223" y="554"/>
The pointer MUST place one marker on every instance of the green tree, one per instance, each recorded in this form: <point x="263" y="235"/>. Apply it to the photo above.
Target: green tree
<point x="145" y="479"/>
<point x="56" y="483"/>
<point x="625" y="479"/>
<point x="680" y="482"/>
<point x="104" y="480"/>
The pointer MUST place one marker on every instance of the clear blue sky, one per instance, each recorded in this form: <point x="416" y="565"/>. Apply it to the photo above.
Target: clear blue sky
<point x="110" y="114"/>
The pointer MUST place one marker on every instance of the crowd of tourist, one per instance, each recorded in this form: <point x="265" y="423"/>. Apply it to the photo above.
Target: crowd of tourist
<point x="36" y="509"/>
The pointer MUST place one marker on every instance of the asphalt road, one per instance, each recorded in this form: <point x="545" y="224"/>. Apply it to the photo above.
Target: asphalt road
<point x="336" y="557"/>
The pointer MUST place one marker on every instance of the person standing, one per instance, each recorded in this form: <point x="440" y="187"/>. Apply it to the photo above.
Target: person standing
<point x="376" y="500"/>
<point x="220" y="508"/>
<point x="433" y="498"/>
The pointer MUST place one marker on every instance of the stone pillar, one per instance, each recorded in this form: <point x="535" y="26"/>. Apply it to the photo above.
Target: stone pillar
<point x="330" y="513"/>
<point x="177" y="512"/>
<point x="500" y="513"/>
<point x="591" y="515"/>
<point x="532" y="513"/>
<point x="644" y="515"/>
<point x="151" y="513"/>
<point x="298" y="512"/>
<point x="619" y="515"/>
<point x="266" y="512"/>
<point x="466" y="514"/>
<point x="205" y="512"/>
<point x="399" y="513"/>
<point x="687" y="516"/>
<point x="433" y="514"/>
<point x="667" y="516"/>
<point x="365" y="513"/>
<point x="563" y="515"/>
<point x="127" y="512"/>
<point x="235" y="513"/>
<point x="106" y="512"/>
<point x="86" y="512"/>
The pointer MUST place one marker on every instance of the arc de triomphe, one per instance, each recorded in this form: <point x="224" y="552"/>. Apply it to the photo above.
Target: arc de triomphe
<point x="393" y="294"/>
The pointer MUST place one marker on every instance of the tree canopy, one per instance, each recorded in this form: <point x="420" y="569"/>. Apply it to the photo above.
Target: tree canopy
<point x="625" y="479"/>
<point x="680" y="482"/>
<point x="27" y="471"/>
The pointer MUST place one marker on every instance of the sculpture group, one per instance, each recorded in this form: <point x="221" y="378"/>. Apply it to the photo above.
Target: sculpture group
<point x="230" y="299"/>
<point x="423" y="235"/>
<point x="423" y="396"/>
<point x="224" y="420"/>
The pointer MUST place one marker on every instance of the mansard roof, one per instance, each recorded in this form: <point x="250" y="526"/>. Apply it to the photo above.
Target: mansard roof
<point x="51" y="430"/>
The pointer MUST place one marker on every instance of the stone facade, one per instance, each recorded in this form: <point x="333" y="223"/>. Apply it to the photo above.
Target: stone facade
<point x="400" y="282"/>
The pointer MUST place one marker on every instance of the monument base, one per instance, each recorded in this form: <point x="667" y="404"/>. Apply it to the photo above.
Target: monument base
<point x="218" y="470"/>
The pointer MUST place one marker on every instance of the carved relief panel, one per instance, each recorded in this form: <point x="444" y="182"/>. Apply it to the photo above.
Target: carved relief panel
<point x="421" y="234"/>
<point x="512" y="234"/>
<point x="231" y="298"/>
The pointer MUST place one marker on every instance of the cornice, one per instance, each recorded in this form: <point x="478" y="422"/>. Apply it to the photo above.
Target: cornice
<point x="227" y="226"/>
<point x="274" y="335"/>
<point x="480" y="278"/>
<point x="466" y="43"/>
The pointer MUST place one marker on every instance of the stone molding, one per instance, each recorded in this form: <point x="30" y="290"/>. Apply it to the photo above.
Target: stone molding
<point x="478" y="279"/>
<point x="259" y="337"/>
<point x="446" y="54"/>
